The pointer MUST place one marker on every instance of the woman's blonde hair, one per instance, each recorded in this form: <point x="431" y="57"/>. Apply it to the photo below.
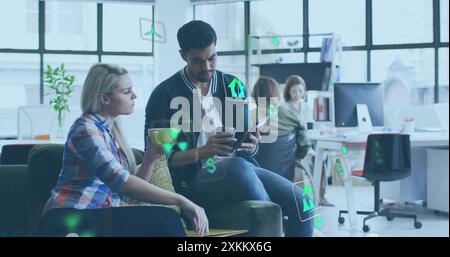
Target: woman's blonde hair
<point x="102" y="80"/>
<point x="291" y="81"/>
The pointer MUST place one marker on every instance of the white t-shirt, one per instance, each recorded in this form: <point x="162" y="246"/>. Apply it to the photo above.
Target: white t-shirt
<point x="210" y="120"/>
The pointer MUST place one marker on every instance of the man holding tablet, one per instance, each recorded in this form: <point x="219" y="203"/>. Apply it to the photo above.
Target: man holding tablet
<point x="213" y="169"/>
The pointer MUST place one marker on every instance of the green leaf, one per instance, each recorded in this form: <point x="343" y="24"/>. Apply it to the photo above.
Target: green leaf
<point x="60" y="86"/>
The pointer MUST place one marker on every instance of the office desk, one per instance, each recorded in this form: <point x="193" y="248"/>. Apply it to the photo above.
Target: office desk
<point x="411" y="188"/>
<point x="8" y="134"/>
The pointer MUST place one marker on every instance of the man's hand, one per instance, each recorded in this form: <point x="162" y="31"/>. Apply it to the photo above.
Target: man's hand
<point x="220" y="144"/>
<point x="250" y="147"/>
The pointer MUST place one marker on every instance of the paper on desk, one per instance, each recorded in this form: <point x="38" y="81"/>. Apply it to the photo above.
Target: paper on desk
<point x="217" y="233"/>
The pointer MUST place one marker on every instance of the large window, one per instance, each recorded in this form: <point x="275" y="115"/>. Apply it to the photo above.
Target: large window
<point x="70" y="25"/>
<point x="19" y="24"/>
<point x="19" y="75"/>
<point x="228" y="21"/>
<point x="19" y="85"/>
<point x="77" y="65"/>
<point x="443" y="75"/>
<point x="353" y="66"/>
<point x="344" y="17"/>
<point x="402" y="21"/>
<point x="127" y="27"/>
<point x="274" y="18"/>
<point x="71" y="37"/>
<point x="408" y="75"/>
<point x="444" y="20"/>
<point x="379" y="39"/>
<point x="233" y="64"/>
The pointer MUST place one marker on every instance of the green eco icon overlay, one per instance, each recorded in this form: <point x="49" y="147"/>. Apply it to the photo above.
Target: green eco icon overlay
<point x="308" y="191"/>
<point x="237" y="84"/>
<point x="275" y="41"/>
<point x="153" y="32"/>
<point x="306" y="208"/>
<point x="73" y="224"/>
<point x="339" y="168"/>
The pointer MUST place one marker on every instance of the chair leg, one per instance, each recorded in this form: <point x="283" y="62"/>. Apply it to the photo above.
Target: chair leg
<point x="342" y="211"/>
<point x="391" y="215"/>
<point x="357" y="212"/>
<point x="370" y="216"/>
<point x="341" y="219"/>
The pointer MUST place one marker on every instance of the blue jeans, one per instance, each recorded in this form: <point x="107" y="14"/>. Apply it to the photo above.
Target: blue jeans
<point x="235" y="179"/>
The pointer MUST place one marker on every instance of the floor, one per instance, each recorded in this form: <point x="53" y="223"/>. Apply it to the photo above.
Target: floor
<point x="433" y="225"/>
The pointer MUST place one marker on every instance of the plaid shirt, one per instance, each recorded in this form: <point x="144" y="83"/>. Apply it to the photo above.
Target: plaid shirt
<point x="93" y="167"/>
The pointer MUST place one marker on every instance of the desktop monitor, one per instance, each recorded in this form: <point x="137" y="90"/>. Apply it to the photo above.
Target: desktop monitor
<point x="312" y="73"/>
<point x="348" y="95"/>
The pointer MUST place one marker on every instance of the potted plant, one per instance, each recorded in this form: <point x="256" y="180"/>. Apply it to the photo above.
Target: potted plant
<point x="61" y="87"/>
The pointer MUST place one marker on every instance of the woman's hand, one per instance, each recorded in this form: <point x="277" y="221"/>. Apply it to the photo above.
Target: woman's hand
<point x="154" y="151"/>
<point x="196" y="215"/>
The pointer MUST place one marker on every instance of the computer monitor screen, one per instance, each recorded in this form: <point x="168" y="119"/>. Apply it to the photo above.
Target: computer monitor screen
<point x="312" y="73"/>
<point x="348" y="95"/>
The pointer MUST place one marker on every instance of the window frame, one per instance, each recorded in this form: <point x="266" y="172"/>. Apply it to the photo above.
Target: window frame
<point x="99" y="52"/>
<point x="436" y="44"/>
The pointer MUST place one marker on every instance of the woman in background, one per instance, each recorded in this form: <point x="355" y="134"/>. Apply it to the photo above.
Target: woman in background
<point x="294" y="96"/>
<point x="288" y="120"/>
<point x="99" y="168"/>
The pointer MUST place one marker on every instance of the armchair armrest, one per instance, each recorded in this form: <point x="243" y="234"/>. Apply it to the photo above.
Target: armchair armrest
<point x="260" y="218"/>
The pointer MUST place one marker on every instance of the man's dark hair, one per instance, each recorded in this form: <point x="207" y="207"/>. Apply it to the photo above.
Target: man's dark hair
<point x="196" y="35"/>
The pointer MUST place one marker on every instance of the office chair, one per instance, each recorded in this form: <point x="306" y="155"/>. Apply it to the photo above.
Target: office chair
<point x="387" y="158"/>
<point x="279" y="156"/>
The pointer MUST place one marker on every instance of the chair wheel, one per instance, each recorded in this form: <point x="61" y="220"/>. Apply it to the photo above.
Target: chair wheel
<point x="417" y="224"/>
<point x="341" y="220"/>
<point x="389" y="218"/>
<point x="366" y="228"/>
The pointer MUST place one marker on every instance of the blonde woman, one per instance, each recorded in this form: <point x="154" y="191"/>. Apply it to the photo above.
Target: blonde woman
<point x="99" y="168"/>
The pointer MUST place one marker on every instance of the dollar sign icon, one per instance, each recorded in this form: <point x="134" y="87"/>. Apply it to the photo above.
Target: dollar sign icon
<point x="210" y="164"/>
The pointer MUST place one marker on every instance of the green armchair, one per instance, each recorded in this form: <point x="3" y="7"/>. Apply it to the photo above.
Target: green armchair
<point x="13" y="199"/>
<point x="260" y="218"/>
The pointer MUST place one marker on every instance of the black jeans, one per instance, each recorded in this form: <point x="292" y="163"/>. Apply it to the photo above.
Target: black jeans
<point x="133" y="221"/>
